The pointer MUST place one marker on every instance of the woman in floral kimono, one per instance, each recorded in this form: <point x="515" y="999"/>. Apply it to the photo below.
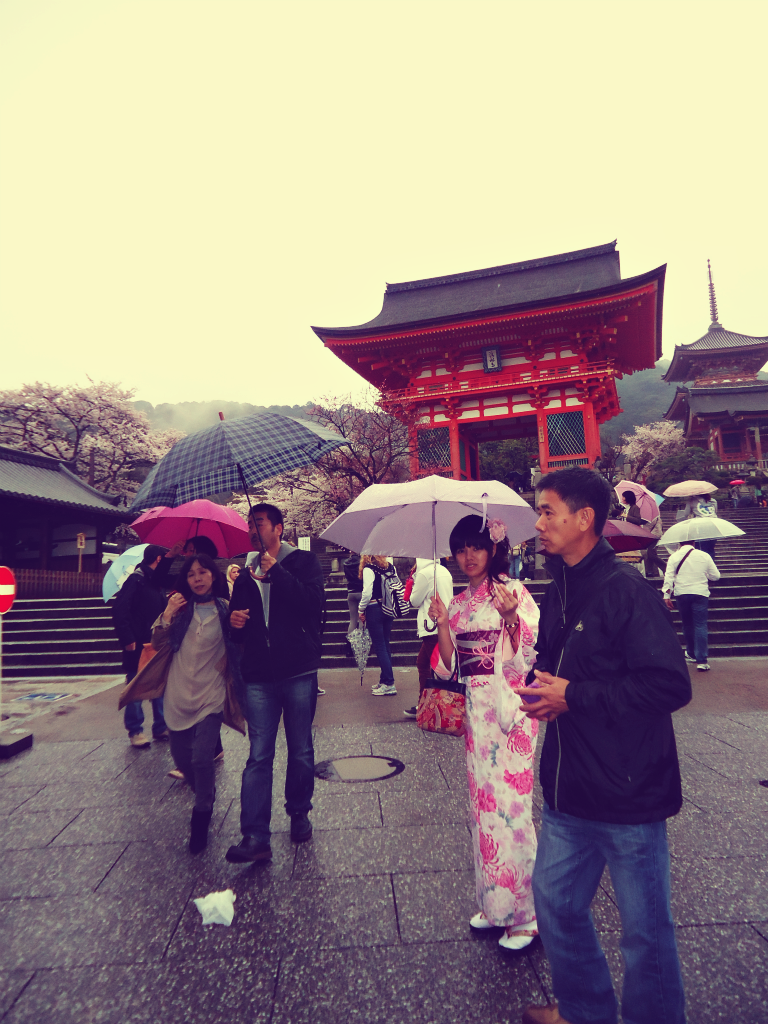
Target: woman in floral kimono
<point x="492" y="626"/>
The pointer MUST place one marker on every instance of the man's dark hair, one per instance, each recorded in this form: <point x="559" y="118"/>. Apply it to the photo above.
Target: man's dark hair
<point x="204" y="546"/>
<point x="579" y="488"/>
<point x="205" y="562"/>
<point x="272" y="512"/>
<point x="151" y="552"/>
<point x="467" y="532"/>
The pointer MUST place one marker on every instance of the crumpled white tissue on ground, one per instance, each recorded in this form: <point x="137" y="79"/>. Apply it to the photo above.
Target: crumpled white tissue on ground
<point x="217" y="907"/>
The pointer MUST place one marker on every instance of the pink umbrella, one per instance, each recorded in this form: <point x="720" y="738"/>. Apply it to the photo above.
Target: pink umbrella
<point x="644" y="498"/>
<point x="624" y="536"/>
<point x="168" y="526"/>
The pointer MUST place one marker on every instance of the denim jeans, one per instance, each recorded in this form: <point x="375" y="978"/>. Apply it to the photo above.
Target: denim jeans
<point x="296" y="700"/>
<point x="571" y="857"/>
<point x="693" y="612"/>
<point x="134" y="713"/>
<point x="380" y="627"/>
<point x="515" y="566"/>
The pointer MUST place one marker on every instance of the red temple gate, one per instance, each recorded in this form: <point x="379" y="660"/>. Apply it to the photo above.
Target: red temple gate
<point x="529" y="349"/>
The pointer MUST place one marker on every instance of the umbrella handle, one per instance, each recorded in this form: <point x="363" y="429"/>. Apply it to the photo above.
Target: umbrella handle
<point x="250" y="506"/>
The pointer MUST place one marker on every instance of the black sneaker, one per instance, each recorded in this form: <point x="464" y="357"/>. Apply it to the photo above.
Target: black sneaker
<point x="301" y="828"/>
<point x="410" y="712"/>
<point x="248" y="851"/>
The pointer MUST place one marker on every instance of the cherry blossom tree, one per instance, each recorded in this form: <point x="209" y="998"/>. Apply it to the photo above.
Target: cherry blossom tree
<point x="377" y="452"/>
<point x="94" y="429"/>
<point x="650" y="444"/>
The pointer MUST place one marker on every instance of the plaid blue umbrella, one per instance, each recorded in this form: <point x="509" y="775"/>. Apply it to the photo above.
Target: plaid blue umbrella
<point x="233" y="455"/>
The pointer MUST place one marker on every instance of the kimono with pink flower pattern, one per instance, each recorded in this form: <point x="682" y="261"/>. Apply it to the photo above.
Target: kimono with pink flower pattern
<point x="500" y="744"/>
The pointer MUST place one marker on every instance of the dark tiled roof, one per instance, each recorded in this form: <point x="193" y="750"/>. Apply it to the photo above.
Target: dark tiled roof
<point x="718" y="337"/>
<point x="39" y="478"/>
<point x="738" y="398"/>
<point x="496" y="288"/>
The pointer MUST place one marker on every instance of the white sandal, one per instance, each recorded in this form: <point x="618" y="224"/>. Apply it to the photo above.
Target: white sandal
<point x="480" y="922"/>
<point x="517" y="940"/>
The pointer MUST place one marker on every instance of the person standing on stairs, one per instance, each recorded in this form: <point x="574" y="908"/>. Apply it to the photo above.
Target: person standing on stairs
<point x="687" y="578"/>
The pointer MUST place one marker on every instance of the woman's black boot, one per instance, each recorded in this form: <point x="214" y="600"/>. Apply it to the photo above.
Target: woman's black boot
<point x="198" y="838"/>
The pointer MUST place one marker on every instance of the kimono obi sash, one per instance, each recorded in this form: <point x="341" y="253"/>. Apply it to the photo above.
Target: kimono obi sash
<point x="476" y="652"/>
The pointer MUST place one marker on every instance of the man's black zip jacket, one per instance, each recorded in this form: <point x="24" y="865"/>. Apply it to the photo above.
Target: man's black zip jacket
<point x="293" y="644"/>
<point x="612" y="756"/>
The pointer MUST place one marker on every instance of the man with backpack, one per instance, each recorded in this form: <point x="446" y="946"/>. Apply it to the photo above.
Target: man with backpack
<point x="608" y="675"/>
<point x="380" y="603"/>
<point x="276" y="613"/>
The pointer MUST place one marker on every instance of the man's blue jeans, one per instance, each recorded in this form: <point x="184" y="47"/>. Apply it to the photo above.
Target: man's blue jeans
<point x="693" y="612"/>
<point x="571" y="857"/>
<point x="515" y="566"/>
<point x="380" y="626"/>
<point x="134" y="713"/>
<point x="295" y="699"/>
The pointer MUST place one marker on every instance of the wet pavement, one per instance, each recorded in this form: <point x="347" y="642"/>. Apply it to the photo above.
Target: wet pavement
<point x="367" y="922"/>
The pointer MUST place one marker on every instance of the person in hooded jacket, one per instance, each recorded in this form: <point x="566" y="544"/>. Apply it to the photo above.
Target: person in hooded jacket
<point x="138" y="603"/>
<point x="608" y="675"/>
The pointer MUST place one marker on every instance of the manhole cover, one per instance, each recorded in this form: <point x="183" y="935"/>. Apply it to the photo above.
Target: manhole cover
<point x="358" y="769"/>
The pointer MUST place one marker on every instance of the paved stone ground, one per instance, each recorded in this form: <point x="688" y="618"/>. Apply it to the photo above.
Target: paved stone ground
<point x="367" y="922"/>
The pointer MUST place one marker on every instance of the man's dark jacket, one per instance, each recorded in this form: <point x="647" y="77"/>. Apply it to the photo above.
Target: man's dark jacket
<point x="293" y="645"/>
<point x="138" y="603"/>
<point x="612" y="756"/>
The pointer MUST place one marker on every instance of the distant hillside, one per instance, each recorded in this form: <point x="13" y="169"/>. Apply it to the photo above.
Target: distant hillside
<point x="192" y="416"/>
<point x="644" y="397"/>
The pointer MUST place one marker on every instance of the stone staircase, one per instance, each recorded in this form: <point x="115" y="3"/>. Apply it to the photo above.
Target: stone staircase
<point x="74" y="636"/>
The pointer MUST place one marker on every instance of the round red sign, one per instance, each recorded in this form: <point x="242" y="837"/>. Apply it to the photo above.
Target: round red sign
<point x="7" y="589"/>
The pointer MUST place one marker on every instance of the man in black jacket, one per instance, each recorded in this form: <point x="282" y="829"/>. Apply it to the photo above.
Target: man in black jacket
<point x="276" y="613"/>
<point x="138" y="603"/>
<point x="609" y="673"/>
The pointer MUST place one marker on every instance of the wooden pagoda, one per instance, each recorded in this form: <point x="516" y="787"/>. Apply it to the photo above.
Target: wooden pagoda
<point x="725" y="406"/>
<point x="528" y="349"/>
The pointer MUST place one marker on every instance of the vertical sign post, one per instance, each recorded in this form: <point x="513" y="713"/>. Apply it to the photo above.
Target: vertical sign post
<point x="14" y="740"/>
<point x="80" y="550"/>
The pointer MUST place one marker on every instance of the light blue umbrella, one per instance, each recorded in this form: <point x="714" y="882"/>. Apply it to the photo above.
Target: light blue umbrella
<point x="121" y="569"/>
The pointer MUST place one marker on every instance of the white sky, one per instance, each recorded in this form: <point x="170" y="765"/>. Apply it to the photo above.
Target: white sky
<point x="187" y="185"/>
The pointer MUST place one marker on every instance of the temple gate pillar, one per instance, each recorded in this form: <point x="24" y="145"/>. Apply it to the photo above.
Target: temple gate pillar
<point x="591" y="434"/>
<point x="541" y="433"/>
<point x="453" y="437"/>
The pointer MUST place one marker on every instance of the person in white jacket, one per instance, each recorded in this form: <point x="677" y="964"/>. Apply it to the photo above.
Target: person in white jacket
<point x="426" y="576"/>
<point x="687" y="578"/>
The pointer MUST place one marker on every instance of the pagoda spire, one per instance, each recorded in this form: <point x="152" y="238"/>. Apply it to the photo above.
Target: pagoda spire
<point x="715" y="325"/>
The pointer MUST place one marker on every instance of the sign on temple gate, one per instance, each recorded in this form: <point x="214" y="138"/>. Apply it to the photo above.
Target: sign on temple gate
<point x="526" y="350"/>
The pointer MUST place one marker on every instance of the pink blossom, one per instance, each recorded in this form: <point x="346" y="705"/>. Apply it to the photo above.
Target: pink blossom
<point x="469" y="742"/>
<point x="509" y="878"/>
<point x="497" y="530"/>
<point x="489" y="850"/>
<point x="522" y="781"/>
<point x="516" y="809"/>
<point x="518" y="836"/>
<point x="486" y="801"/>
<point x="490" y="716"/>
<point x="519" y="743"/>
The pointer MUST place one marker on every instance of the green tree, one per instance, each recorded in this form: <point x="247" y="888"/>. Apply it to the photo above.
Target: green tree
<point x="690" y="464"/>
<point x="500" y="458"/>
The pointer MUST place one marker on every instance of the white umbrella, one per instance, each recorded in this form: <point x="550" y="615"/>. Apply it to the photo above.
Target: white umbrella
<point x="121" y="569"/>
<point x="700" y="529"/>
<point x="689" y="488"/>
<point x="415" y="519"/>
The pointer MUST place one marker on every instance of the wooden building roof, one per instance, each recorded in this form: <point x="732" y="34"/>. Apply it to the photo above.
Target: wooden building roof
<point x="563" y="288"/>
<point x="45" y="480"/>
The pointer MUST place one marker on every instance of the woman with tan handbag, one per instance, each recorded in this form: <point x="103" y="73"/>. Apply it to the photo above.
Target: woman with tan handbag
<point x="491" y="630"/>
<point x="196" y="671"/>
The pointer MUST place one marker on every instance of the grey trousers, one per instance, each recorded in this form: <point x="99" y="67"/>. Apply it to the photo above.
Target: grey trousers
<point x="193" y="751"/>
